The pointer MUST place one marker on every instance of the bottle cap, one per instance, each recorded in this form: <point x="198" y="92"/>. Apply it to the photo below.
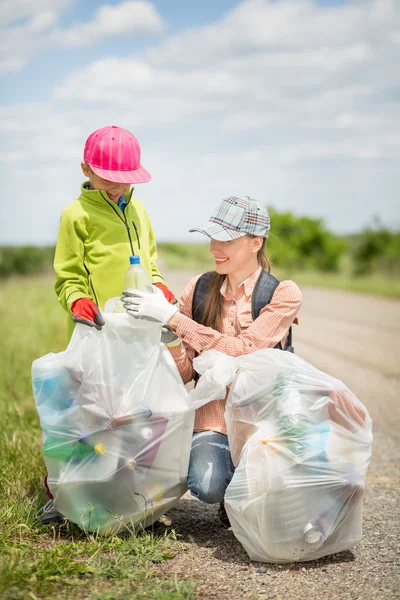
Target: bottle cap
<point x="312" y="534"/>
<point x="134" y="260"/>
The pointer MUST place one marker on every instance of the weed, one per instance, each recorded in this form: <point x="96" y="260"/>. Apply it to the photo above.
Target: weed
<point x="61" y="561"/>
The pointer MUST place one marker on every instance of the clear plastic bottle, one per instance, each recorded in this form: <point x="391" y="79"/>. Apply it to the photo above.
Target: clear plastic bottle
<point x="136" y="277"/>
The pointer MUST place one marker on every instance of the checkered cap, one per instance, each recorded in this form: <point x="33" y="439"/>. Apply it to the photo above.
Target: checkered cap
<point x="236" y="217"/>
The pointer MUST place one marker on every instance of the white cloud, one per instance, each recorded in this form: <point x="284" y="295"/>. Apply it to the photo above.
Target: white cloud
<point x="10" y="10"/>
<point x="293" y="102"/>
<point x="128" y="18"/>
<point x="287" y="24"/>
<point x="307" y="84"/>
<point x="20" y="42"/>
<point x="24" y="29"/>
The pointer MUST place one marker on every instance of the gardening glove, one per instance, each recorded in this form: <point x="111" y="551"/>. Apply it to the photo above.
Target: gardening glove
<point x="168" y="337"/>
<point x="85" y="311"/>
<point x="149" y="305"/>
<point x="167" y="292"/>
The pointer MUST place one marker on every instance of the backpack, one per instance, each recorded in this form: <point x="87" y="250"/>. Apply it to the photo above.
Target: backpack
<point x="262" y="295"/>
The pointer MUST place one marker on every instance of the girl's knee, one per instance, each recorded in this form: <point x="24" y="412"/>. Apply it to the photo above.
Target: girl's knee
<point x="211" y="494"/>
<point x="210" y="470"/>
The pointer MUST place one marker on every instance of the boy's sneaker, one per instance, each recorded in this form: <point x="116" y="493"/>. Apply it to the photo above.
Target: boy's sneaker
<point x="49" y="514"/>
<point x="223" y="517"/>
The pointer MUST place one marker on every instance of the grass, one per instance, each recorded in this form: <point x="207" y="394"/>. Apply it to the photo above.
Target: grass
<point x="373" y="285"/>
<point x="64" y="562"/>
<point x="60" y="562"/>
<point x="185" y="256"/>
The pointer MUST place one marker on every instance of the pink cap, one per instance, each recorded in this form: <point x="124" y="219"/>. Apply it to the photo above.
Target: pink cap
<point x="114" y="154"/>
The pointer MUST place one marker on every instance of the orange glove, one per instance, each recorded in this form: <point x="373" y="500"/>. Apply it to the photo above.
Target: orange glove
<point x="85" y="311"/>
<point x="167" y="293"/>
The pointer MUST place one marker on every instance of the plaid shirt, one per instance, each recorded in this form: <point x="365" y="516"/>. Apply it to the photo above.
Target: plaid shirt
<point x="240" y="334"/>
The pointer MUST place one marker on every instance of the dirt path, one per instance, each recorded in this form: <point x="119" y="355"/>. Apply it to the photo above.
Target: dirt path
<point x="357" y="339"/>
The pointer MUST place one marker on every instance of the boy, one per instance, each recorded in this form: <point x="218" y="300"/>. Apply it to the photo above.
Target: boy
<point x="98" y="233"/>
<point x="102" y="228"/>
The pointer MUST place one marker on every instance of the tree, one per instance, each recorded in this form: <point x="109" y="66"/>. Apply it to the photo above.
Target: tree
<point x="303" y="242"/>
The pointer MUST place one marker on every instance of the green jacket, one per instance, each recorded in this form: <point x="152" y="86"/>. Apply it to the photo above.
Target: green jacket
<point x="94" y="245"/>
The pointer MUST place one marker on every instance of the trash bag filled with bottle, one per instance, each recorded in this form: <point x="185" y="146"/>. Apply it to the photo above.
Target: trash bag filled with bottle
<point x="301" y="442"/>
<point x="116" y="425"/>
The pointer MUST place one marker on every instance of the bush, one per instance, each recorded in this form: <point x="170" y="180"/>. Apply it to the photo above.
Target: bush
<point x="303" y="243"/>
<point x="25" y="260"/>
<point x="377" y="250"/>
<point x="295" y="244"/>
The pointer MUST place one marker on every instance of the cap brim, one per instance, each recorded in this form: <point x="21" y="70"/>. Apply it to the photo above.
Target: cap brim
<point x="140" y="175"/>
<point x="216" y="232"/>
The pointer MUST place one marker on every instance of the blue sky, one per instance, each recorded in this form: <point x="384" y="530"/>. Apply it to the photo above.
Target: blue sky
<point x="293" y="102"/>
<point x="51" y="69"/>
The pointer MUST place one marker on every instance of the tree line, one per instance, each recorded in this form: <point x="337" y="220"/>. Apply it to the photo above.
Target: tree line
<point x="295" y="243"/>
<point x="305" y="243"/>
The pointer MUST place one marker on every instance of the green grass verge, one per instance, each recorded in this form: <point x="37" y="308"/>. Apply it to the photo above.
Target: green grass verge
<point x="64" y="562"/>
<point x="184" y="256"/>
<point x="376" y="286"/>
<point x="54" y="562"/>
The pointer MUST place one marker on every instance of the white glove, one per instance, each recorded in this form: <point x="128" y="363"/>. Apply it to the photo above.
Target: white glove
<point x="149" y="305"/>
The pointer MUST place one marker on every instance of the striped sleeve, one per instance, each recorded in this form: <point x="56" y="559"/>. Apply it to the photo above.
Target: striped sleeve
<point x="266" y="331"/>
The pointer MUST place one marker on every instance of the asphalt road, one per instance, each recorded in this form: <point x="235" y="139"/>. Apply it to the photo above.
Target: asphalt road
<point x="356" y="339"/>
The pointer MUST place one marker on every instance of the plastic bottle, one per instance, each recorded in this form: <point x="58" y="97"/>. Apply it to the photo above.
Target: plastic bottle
<point x="299" y="433"/>
<point x="55" y="447"/>
<point x="319" y="530"/>
<point x="136" y="277"/>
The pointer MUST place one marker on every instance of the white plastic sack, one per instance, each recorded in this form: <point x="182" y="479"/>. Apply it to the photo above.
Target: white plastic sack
<point x="301" y="441"/>
<point x="117" y="429"/>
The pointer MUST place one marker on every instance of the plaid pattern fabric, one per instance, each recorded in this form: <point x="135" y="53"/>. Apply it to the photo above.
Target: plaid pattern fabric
<point x="239" y="335"/>
<point x="236" y="217"/>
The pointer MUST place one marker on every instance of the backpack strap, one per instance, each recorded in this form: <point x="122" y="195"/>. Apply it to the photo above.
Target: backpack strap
<point x="263" y="291"/>
<point x="200" y="294"/>
<point x="262" y="295"/>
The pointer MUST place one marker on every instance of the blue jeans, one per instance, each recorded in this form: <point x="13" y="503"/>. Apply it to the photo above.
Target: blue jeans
<point x="210" y="466"/>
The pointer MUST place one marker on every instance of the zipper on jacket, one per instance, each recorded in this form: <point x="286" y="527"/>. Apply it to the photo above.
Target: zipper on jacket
<point x="125" y="222"/>
<point x="129" y="236"/>
<point x="91" y="283"/>
<point x="137" y="235"/>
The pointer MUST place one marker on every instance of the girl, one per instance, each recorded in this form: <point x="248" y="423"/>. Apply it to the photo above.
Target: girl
<point x="238" y="229"/>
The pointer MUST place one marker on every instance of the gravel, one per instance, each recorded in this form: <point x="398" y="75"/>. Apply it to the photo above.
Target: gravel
<point x="357" y="339"/>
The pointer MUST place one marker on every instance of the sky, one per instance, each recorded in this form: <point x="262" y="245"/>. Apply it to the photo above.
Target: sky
<point x="295" y="103"/>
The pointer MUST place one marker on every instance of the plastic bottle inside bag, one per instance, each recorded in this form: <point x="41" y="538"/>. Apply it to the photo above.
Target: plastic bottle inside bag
<point x="289" y="400"/>
<point x="299" y="432"/>
<point x="317" y="531"/>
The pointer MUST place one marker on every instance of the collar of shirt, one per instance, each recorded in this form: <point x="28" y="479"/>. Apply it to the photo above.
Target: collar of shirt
<point x="122" y="203"/>
<point x="248" y="284"/>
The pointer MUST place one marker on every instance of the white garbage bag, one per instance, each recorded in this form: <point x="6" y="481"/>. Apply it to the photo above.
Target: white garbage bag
<point x="117" y="428"/>
<point x="301" y="441"/>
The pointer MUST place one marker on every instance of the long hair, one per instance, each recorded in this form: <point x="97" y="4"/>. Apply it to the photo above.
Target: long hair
<point x="213" y="305"/>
